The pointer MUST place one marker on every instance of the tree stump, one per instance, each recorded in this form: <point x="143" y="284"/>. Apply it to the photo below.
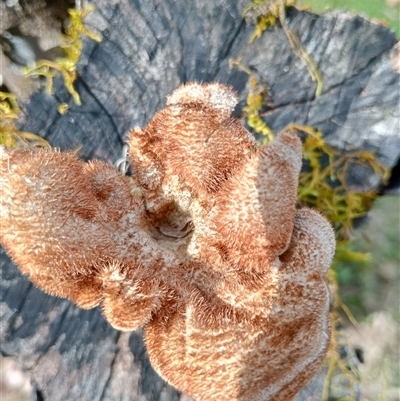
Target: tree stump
<point x="148" y="49"/>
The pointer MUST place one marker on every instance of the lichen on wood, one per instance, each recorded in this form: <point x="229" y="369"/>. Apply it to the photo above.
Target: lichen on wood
<point x="265" y="13"/>
<point x="72" y="48"/>
<point x="10" y="136"/>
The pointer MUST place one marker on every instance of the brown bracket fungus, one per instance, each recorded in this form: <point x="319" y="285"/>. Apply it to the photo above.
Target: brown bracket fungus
<point x="203" y="246"/>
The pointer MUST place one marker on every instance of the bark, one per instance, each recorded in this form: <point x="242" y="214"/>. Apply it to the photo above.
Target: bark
<point x="148" y="49"/>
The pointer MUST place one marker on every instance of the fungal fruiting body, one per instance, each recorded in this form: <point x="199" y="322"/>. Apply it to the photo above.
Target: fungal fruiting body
<point x="203" y="246"/>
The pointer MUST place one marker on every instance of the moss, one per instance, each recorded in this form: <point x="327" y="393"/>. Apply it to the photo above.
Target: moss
<point x="255" y="100"/>
<point x="72" y="47"/>
<point x="10" y="136"/>
<point x="62" y="108"/>
<point x="265" y="13"/>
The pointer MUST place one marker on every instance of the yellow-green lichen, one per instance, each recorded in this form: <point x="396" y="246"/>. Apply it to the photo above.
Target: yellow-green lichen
<point x="72" y="47"/>
<point x="62" y="108"/>
<point x="323" y="185"/>
<point x="10" y="136"/>
<point x="265" y="13"/>
<point x="254" y="103"/>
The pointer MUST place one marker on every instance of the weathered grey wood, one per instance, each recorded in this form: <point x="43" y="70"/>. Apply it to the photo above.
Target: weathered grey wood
<point x="148" y="49"/>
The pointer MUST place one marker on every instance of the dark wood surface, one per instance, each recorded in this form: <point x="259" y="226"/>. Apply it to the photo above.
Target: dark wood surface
<point x="148" y="49"/>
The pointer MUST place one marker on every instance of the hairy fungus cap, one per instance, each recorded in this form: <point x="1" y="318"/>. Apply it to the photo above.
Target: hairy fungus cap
<point x="211" y="255"/>
<point x="214" y="95"/>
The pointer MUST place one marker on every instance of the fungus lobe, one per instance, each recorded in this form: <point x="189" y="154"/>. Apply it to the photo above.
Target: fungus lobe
<point x="211" y="255"/>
